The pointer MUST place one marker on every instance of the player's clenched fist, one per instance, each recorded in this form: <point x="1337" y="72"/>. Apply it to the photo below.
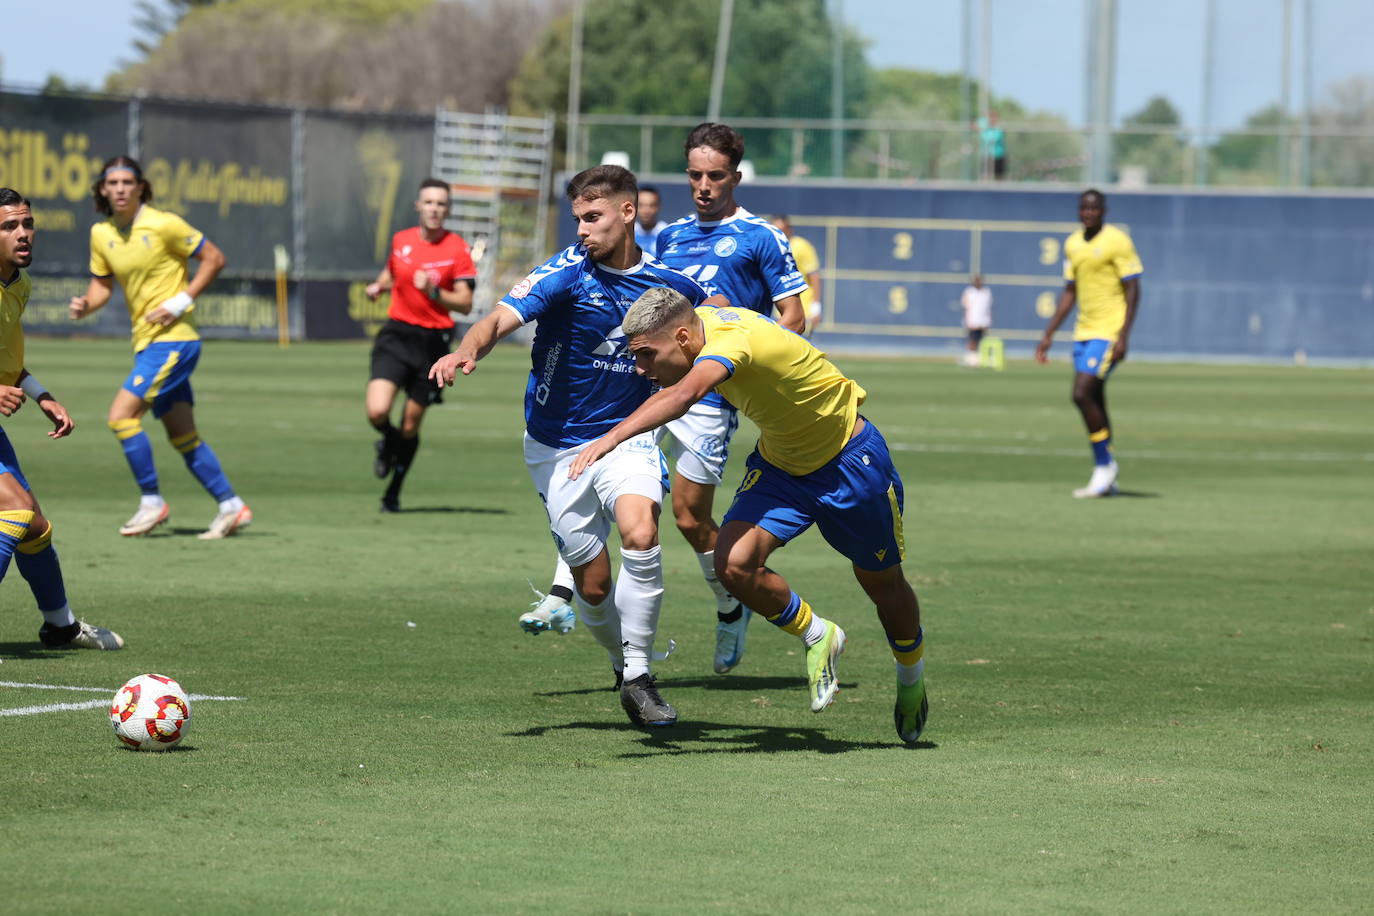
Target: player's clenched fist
<point x="79" y="308"/>
<point x="11" y="399"/>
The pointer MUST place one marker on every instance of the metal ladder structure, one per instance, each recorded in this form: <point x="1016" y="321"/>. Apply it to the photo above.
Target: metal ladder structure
<point x="499" y="169"/>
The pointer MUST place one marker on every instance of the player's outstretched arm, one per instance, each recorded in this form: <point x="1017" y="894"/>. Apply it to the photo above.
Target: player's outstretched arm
<point x="98" y="292"/>
<point x="476" y="343"/>
<point x="661" y="407"/>
<point x="1066" y="301"/>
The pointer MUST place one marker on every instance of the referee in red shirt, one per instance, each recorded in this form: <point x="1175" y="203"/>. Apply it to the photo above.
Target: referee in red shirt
<point x="430" y="273"/>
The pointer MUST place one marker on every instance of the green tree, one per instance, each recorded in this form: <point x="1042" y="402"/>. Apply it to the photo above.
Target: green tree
<point x="396" y="55"/>
<point x="156" y="19"/>
<point x="651" y="58"/>
<point x="1039" y="146"/>
<point x="1162" y="154"/>
<point x="1347" y="160"/>
<point x="1250" y="159"/>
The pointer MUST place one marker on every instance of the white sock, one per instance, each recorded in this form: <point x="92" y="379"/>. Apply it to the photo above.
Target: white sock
<point x="562" y="575"/>
<point x="62" y="617"/>
<point x="815" y="631"/>
<point x="639" y="592"/>
<point x="151" y="501"/>
<point x="910" y="674"/>
<point x="603" y="622"/>
<point x="725" y="602"/>
<point x="232" y="504"/>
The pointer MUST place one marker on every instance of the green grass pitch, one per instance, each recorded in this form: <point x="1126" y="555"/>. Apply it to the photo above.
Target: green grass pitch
<point x="1154" y="703"/>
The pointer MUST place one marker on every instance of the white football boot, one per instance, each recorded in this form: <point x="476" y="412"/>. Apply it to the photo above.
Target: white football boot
<point x="226" y="523"/>
<point x="144" y="520"/>
<point x="1102" y="483"/>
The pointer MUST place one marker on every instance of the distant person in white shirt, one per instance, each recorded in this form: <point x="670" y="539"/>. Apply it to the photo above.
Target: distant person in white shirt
<point x="977" y="303"/>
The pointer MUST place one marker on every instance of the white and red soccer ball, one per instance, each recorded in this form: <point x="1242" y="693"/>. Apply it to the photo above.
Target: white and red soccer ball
<point x="150" y="713"/>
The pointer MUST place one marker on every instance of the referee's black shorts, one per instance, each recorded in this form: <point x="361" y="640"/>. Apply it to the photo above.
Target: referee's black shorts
<point x="403" y="353"/>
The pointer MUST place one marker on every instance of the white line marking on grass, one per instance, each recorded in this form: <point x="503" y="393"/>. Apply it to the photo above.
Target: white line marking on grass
<point x="53" y="687"/>
<point x="88" y="704"/>
<point x="1179" y="455"/>
<point x="53" y="707"/>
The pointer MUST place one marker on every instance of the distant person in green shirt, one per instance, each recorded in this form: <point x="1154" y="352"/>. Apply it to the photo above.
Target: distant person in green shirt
<point x="993" y="145"/>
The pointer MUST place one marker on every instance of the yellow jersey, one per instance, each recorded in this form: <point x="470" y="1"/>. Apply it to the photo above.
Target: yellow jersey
<point x="148" y="258"/>
<point x="1097" y="269"/>
<point x="14" y="295"/>
<point x="804" y="407"/>
<point x="804" y="253"/>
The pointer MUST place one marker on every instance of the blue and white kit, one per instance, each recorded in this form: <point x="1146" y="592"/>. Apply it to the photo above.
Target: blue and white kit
<point x="583" y="382"/>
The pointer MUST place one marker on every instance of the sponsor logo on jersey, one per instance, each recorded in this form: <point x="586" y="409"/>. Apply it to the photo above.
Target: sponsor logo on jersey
<point x="522" y="289"/>
<point x="541" y="391"/>
<point x="725" y="247"/>
<point x="613" y="344"/>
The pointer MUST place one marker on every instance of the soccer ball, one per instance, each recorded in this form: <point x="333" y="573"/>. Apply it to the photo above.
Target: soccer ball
<point x="150" y="713"/>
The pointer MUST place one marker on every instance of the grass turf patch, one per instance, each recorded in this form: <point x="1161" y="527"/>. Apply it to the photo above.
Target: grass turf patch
<point x="1159" y="701"/>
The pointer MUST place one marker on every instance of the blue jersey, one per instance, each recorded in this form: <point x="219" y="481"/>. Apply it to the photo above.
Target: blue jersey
<point x="744" y="258"/>
<point x="582" y="376"/>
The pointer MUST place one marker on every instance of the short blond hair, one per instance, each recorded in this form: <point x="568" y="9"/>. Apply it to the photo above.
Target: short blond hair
<point x="655" y="310"/>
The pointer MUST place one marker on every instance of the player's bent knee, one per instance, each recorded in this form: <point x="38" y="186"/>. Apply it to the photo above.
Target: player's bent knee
<point x="639" y="537"/>
<point x="735" y="571"/>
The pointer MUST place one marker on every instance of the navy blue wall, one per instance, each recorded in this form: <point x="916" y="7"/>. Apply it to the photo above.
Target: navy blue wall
<point x="1226" y="275"/>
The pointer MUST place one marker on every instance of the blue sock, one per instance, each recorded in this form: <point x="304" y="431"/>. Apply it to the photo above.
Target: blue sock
<point x="14" y="525"/>
<point x="37" y="562"/>
<point x="201" y="461"/>
<point x="139" y="451"/>
<point x="1102" y="446"/>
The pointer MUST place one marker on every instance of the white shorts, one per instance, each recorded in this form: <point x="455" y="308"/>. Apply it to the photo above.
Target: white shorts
<point x="699" y="442"/>
<point x="582" y="511"/>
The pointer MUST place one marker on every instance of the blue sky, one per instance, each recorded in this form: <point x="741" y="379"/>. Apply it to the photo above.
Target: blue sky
<point x="1036" y="54"/>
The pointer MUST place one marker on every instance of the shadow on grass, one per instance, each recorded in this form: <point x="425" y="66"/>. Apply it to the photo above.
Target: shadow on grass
<point x="450" y="510"/>
<point x="186" y="532"/>
<point x="174" y="749"/>
<point x="30" y="650"/>
<point x="721" y="738"/>
<point x="1136" y="494"/>
<point x="734" y="682"/>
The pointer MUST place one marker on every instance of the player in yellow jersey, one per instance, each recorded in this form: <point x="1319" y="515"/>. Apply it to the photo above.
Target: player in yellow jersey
<point x="809" y="266"/>
<point x="25" y="532"/>
<point x="147" y="250"/>
<point x="1102" y="276"/>
<point x="817" y="462"/>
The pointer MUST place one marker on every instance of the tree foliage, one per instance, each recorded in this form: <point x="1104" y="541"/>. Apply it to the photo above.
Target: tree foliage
<point x="1048" y="149"/>
<point x="402" y="55"/>
<point x="653" y="58"/>
<point x="156" y="19"/>
<point x="1163" y="155"/>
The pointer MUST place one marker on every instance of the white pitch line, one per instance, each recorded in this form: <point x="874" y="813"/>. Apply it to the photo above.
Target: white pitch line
<point x="54" y="687"/>
<point x="53" y="707"/>
<point x="88" y="704"/>
<point x="1172" y="455"/>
